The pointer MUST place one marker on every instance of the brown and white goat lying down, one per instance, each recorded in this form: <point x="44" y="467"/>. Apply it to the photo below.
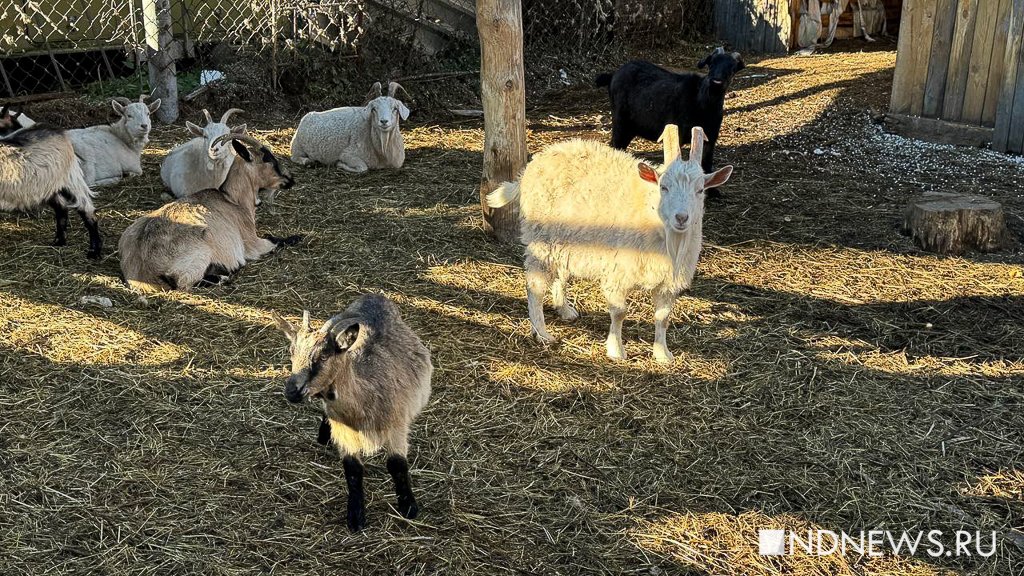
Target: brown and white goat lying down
<point x="202" y="237"/>
<point x="372" y="374"/>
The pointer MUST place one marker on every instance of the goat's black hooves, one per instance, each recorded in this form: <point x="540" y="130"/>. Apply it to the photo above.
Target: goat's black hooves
<point x="292" y="240"/>
<point x="356" y="520"/>
<point x="93" y="254"/>
<point x="60" y="242"/>
<point x="408" y="510"/>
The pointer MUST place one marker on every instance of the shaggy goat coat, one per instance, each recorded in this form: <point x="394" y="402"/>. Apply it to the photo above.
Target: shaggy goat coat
<point x="177" y="245"/>
<point x="583" y="211"/>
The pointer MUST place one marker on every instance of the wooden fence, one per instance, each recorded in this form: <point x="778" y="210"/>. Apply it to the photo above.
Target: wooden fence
<point x="960" y="61"/>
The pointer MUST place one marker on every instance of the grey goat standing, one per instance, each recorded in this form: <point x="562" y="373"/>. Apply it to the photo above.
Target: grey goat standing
<point x="372" y="374"/>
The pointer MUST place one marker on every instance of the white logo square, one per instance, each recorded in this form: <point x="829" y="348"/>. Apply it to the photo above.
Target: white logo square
<point x="771" y="542"/>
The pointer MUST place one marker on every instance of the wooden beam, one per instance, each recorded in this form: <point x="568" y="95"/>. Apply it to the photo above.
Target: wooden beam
<point x="503" y="92"/>
<point x="938" y="131"/>
<point x="1004" y="139"/>
<point x="960" y="59"/>
<point x="938" y="60"/>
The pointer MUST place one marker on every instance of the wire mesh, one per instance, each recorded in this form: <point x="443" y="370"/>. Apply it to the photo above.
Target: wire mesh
<point x="302" y="47"/>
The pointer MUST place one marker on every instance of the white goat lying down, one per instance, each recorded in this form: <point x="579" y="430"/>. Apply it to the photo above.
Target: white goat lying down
<point x="108" y="152"/>
<point x="372" y="374"/>
<point x="355" y="139"/>
<point x="207" y="235"/>
<point x="202" y="162"/>
<point x="591" y="211"/>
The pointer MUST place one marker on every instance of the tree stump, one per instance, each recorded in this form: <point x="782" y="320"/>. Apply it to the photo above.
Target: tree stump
<point x="955" y="223"/>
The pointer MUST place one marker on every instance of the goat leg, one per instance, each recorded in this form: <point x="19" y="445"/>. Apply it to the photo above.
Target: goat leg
<point x="356" y="518"/>
<point x="398" y="467"/>
<point x="60" y="214"/>
<point x="287" y="241"/>
<point x="95" y="239"/>
<point x="323" y="435"/>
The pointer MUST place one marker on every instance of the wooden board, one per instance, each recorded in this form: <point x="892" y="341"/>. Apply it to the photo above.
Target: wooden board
<point x="902" y="95"/>
<point x="1009" y="132"/>
<point x="924" y="24"/>
<point x="754" y="26"/>
<point x="960" y="58"/>
<point x="938" y="64"/>
<point x="998" y="66"/>
<point x="980" y="62"/>
<point x="938" y="131"/>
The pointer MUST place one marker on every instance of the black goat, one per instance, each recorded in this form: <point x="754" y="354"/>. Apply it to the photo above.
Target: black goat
<point x="646" y="97"/>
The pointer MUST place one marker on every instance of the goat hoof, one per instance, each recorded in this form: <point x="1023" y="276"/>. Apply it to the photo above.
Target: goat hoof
<point x="615" y="351"/>
<point x="408" y="510"/>
<point x="544" y="339"/>
<point x="356" y="520"/>
<point x="293" y="240"/>
<point x="58" y="241"/>
<point x="93" y="254"/>
<point x="663" y="356"/>
<point x="568" y="313"/>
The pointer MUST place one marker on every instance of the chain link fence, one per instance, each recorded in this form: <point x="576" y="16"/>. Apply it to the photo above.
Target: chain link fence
<point x="315" y="51"/>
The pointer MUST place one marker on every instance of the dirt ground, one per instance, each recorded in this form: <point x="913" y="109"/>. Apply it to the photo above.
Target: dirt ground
<point x="828" y="375"/>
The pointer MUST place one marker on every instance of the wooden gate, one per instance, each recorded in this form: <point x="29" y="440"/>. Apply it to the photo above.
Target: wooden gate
<point x="763" y="26"/>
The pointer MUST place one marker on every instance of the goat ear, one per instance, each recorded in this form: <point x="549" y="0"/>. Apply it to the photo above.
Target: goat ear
<point x="241" y="150"/>
<point x="118" y="107"/>
<point x="403" y="111"/>
<point x="193" y="128"/>
<point x="239" y="130"/>
<point x="647" y="174"/>
<point x="266" y="155"/>
<point x="717" y="178"/>
<point x="154" y="106"/>
<point x="285" y="326"/>
<point x="346" y="338"/>
<point x="703" y="63"/>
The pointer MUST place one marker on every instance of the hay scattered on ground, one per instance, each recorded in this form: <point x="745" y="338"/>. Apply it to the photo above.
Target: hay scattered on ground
<point x="828" y="374"/>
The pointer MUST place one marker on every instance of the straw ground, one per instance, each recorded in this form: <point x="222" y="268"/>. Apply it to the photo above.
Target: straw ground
<point x="828" y="374"/>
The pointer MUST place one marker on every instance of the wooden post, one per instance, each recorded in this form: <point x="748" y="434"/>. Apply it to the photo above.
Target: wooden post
<point x="163" y="81"/>
<point x="500" y="25"/>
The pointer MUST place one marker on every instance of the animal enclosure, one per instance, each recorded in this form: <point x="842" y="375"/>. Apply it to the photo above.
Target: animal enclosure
<point x="962" y="62"/>
<point x="828" y="374"/>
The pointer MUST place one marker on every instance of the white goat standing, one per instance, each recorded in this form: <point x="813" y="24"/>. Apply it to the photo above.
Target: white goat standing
<point x="355" y="139"/>
<point x="590" y="211"/>
<point x="109" y="152"/>
<point x="202" y="162"/>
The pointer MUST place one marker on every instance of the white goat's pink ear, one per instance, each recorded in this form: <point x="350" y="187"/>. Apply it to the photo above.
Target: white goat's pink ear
<point x="239" y="130"/>
<point x="154" y="106"/>
<point x="193" y="128"/>
<point x="717" y="178"/>
<point x="647" y="173"/>
<point x="118" y="107"/>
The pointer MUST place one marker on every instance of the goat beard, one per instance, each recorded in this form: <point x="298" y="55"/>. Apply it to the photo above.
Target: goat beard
<point x="674" y="241"/>
<point x="385" y="137"/>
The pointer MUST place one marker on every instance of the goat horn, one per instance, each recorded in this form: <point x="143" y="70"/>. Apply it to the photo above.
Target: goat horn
<point x="720" y="50"/>
<point x="122" y="100"/>
<point x="697" y="139"/>
<point x="305" y="320"/>
<point x="221" y="139"/>
<point x="209" y="119"/>
<point x="142" y="97"/>
<point x="375" y="92"/>
<point x="243" y="138"/>
<point x="224" y="118"/>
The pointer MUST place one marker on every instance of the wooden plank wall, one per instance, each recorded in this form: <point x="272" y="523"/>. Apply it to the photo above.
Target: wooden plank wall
<point x="952" y="59"/>
<point x="754" y="26"/>
<point x="1009" y="134"/>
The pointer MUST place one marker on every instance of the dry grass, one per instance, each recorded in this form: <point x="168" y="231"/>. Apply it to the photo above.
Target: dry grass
<point x="828" y="375"/>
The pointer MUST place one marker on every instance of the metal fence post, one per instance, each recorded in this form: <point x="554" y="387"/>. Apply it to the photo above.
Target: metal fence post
<point x="163" y="81"/>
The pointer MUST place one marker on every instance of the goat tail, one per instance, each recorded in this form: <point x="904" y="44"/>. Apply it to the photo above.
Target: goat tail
<point x="504" y="194"/>
<point x="80" y="195"/>
<point x="602" y="80"/>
